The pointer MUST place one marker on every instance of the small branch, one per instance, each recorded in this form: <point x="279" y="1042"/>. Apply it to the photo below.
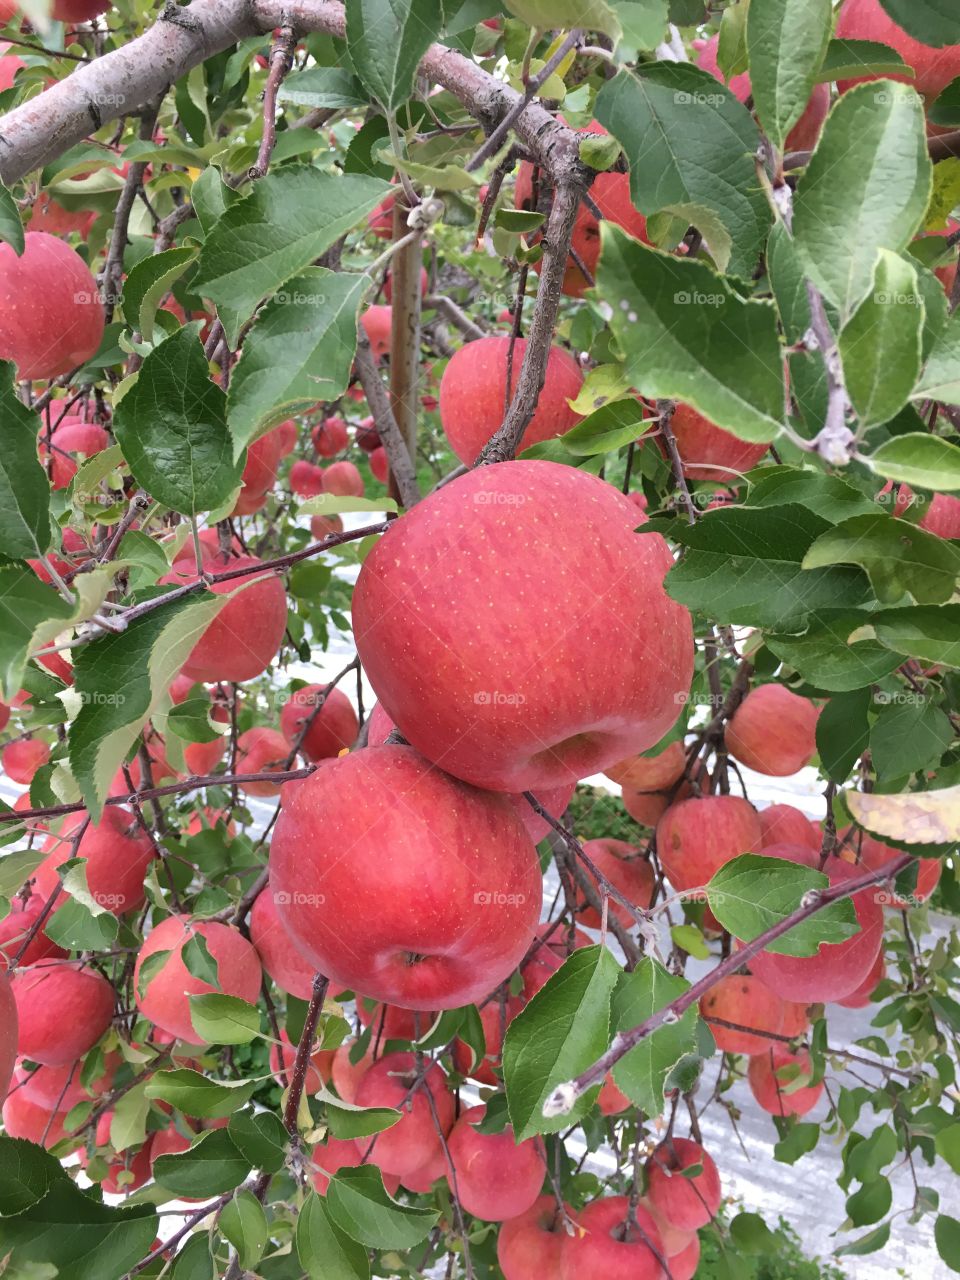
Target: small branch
<point x="665" y="410"/>
<point x="302" y="1060"/>
<point x="112" y="273"/>
<point x="281" y="57"/>
<point x="456" y="316"/>
<point x="398" y="455"/>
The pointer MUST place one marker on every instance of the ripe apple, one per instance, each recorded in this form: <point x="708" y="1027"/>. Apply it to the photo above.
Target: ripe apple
<point x="497" y="1177"/>
<point x="22" y="758"/>
<point x="422" y="1180"/>
<point x="8" y="1034"/>
<point x="874" y="853"/>
<point x="279" y="954"/>
<point x="166" y="999"/>
<point x="202" y="758"/>
<point x="413" y="1141"/>
<point x="707" y="451"/>
<point x="498" y="715"/>
<point x="242" y="640"/>
<point x="495" y="1016"/>
<point x="528" y="1246"/>
<point x="322" y="526"/>
<point x="859" y="998"/>
<point x="604" y="1248"/>
<point x="391" y="1022"/>
<point x="627" y="870"/>
<point x="686" y="1202"/>
<point x="697" y="836"/>
<point x="377" y="322"/>
<point x="261" y="750"/>
<point x="332" y="729"/>
<point x="611" y="194"/>
<point x="868" y="20"/>
<point x="24" y="1119"/>
<point x="15" y="926"/>
<point x="745" y="1001"/>
<point x="547" y="954"/>
<point x="342" y="1153"/>
<point x="473" y="395"/>
<point x="51" y="318"/>
<point x="306" y="479"/>
<point x="838" y="967"/>
<point x="63" y="1010"/>
<point x="260" y="471"/>
<point x="346" y="1075"/>
<point x="78" y="10"/>
<point x="611" y="1099"/>
<point x="47" y="215"/>
<point x="60" y="1088"/>
<point x="344" y="480"/>
<point x="288" y="434"/>
<point x="366" y="435"/>
<point x="379" y="926"/>
<point x="380" y="221"/>
<point x="284" y="1056"/>
<point x="784" y="824"/>
<point x="330" y="437"/>
<point x="773" y="731"/>
<point x="379" y="465"/>
<point x="72" y="436"/>
<point x="795" y="1019"/>
<point x="769" y="1087"/>
<point x="168" y="1142"/>
<point x="651" y="773"/>
<point x="942" y="516"/>
<point x="117" y="853"/>
<point x="804" y="134"/>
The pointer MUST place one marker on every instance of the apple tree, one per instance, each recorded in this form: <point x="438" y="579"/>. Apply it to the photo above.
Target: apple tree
<point x="479" y="647"/>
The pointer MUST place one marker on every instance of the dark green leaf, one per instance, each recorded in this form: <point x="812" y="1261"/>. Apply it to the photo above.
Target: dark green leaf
<point x="828" y="657"/>
<point x="213" y="1164"/>
<point x="909" y="736"/>
<point x="358" y="1204"/>
<point x="843" y="732"/>
<point x="326" y="1252"/>
<point x="786" y="40"/>
<point x="386" y="40"/>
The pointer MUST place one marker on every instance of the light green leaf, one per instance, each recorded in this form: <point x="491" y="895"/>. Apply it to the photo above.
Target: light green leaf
<point x="558" y="1034"/>
<point x="617" y="424"/>
<point x="827" y="496"/>
<point x="880" y="345"/>
<point x="899" y="557"/>
<point x="198" y="1095"/>
<point x="223" y="1019"/>
<point x="644" y="22"/>
<point x="211" y="1165"/>
<point x="386" y="40"/>
<point x="829" y="657"/>
<point x="918" y="459"/>
<point x="287" y="221"/>
<point x="244" y="1223"/>
<point x="927" y="632"/>
<point x="24" y="488"/>
<point x="909" y="737"/>
<point x="851" y="59"/>
<point x="550" y="15"/>
<point x="642" y="1073"/>
<point x="148" y="284"/>
<point x="298" y="352"/>
<point x="786" y="41"/>
<point x="940" y="379"/>
<point x="358" y="1204"/>
<point x="331" y="88"/>
<point x="685" y="335"/>
<point x="876" y="133"/>
<point x="211" y="198"/>
<point x="324" y="1250"/>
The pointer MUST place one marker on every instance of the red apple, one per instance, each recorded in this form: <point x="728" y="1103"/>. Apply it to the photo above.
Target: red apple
<point x="330" y="437"/>
<point x="874" y="853"/>
<point x="327" y="1158"/>
<point x="868" y="20"/>
<point x="117" y="852"/>
<point x="611" y="1100"/>
<point x="795" y="1019"/>
<point x="24" y="1119"/>
<point x="422" y="1180"/>
<point x="512" y="717"/>
<point x="859" y="998"/>
<point x="63" y="1010"/>
<point x="707" y="451"/>
<point x="942" y="516"/>
<point x="346" y="1075"/>
<point x="528" y="1246"/>
<point x="773" y="731"/>
<point x="837" y="968"/>
<point x="651" y="773"/>
<point x="604" y="1248"/>
<point x="51" y="318"/>
<point x="380" y="221"/>
<point x="685" y="1202"/>
<point x="746" y="1002"/>
<point x="413" y="1140"/>
<point x="783" y="824"/>
<point x="697" y="836"/>
<point x="8" y="1034"/>
<point x="261" y="750"/>
<point x="260" y="471"/>
<point x="379" y="465"/>
<point x="377" y="322"/>
<point x="627" y="870"/>
<point x="769" y="1088"/>
<point x="60" y="1088"/>
<point x="72" y="436"/>
<point x="366" y="436"/>
<point x="246" y="634"/>
<point x="284" y="1056"/>
<point x="16" y="925"/>
<point x="166" y="1000"/>
<point x="22" y="758"/>
<point x="279" y="955"/>
<point x="78" y="10"/>
<point x="322" y="526"/>
<point x="306" y="479"/>
<point x="473" y="395"/>
<point x="391" y="1022"/>
<point x="377" y="925"/>
<point x="496" y="1177"/>
<point x="344" y="480"/>
<point x="495" y="1016"/>
<point x="47" y="215"/>
<point x="333" y="729"/>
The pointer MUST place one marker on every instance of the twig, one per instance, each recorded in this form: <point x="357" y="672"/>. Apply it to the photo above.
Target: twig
<point x="281" y="57"/>
<point x="398" y="455"/>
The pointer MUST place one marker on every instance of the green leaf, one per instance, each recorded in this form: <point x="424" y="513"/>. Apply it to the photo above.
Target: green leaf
<point x="197" y="1095"/>
<point x="945" y="111"/>
<point x="520" y="221"/>
<point x="743" y="565"/>
<point x="752" y="893"/>
<point x="948" y="1146"/>
<point x="899" y="557"/>
<point x="946" y="1232"/>
<point x="326" y="1252"/>
<point x="713" y="350"/>
<point x="11" y="226"/>
<point x="786" y="41"/>
<point x="876" y="132"/>
<point x="843" y="731"/>
<point x="122" y="679"/>
<point x="244" y="1223"/>
<point x="869" y="1243"/>
<point x="76" y="928"/>
<point x="172" y="427"/>
<point x="868" y="1157"/>
<point x="789" y="285"/>
<point x="827" y="496"/>
<point x="557" y="1035"/>
<point x="927" y="632"/>
<point x="190" y="721"/>
<point x="800" y="1141"/>
<point x="917" y="459"/>
<point x="642" y="1073"/>
<point x="222" y="1019"/>
<point x="386" y="40"/>
<point x="880" y="345"/>
<point x="932" y="22"/>
<point x="27" y="1173"/>
<point x="609" y="428"/>
<point x="348" y="1121"/>
<point x="83" y="1238"/>
<point x="550" y="15"/>
<point x="751" y="1234"/>
<point x="213" y="1164"/>
<point x="194" y="1261"/>
<point x="211" y="198"/>
<point x="870" y="1203"/>
<point x="690" y="145"/>
<point x="298" y="352"/>
<point x="30" y="608"/>
<point x="24" y="488"/>
<point x="908" y="737"/>
<point x="330" y="88"/>
<point x="199" y="962"/>
<point x="288" y="220"/>
<point x="358" y="1204"/>
<point x="850" y="59"/>
<point x="147" y="285"/>
<point x="260" y="1138"/>
<point x="644" y="22"/>
<point x="940" y="379"/>
<point x="689" y="938"/>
